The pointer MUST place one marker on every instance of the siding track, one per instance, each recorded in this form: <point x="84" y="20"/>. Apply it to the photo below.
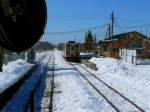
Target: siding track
<point x="118" y="101"/>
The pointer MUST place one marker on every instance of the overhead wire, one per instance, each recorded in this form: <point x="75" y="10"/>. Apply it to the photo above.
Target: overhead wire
<point x="119" y="27"/>
<point x="138" y="27"/>
<point x="130" y="20"/>
<point x="135" y="26"/>
<point x="77" y="31"/>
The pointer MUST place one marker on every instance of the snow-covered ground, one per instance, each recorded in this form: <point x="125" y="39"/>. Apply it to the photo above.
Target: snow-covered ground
<point x="133" y="81"/>
<point x="71" y="91"/>
<point x="12" y="72"/>
<point x="41" y="56"/>
<point x="73" y="94"/>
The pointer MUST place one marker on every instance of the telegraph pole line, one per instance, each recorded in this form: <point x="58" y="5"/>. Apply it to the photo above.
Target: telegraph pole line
<point x="112" y="23"/>
<point x="109" y="36"/>
<point x="109" y="31"/>
<point x="112" y="31"/>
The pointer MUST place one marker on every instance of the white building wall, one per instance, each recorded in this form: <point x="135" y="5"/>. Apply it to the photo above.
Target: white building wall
<point x="128" y="55"/>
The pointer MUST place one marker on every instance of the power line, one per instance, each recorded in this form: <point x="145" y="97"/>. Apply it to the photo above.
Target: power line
<point x="120" y="27"/>
<point x="75" y="19"/>
<point x="76" y="31"/>
<point x="78" y="17"/>
<point x="135" y="26"/>
<point x="131" y="20"/>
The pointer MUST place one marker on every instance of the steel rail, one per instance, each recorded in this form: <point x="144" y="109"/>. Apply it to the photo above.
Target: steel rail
<point x="124" y="97"/>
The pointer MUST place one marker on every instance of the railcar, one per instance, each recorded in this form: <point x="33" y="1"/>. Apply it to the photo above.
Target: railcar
<point x="72" y="51"/>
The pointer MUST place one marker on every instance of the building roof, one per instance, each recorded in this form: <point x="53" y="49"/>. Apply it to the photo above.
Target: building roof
<point x="122" y="35"/>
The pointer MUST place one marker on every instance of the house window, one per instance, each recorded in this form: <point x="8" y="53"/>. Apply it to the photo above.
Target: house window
<point x="72" y="48"/>
<point x="139" y="52"/>
<point x="137" y="44"/>
<point x="134" y="44"/>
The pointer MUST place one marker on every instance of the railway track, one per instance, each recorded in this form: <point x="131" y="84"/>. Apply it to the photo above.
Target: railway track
<point x="52" y="86"/>
<point x="45" y="90"/>
<point x="116" y="100"/>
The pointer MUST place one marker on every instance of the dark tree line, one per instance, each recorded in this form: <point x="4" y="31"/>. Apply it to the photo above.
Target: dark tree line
<point x="90" y="42"/>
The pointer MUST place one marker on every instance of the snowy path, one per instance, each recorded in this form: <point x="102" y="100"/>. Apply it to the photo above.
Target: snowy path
<point x="71" y="93"/>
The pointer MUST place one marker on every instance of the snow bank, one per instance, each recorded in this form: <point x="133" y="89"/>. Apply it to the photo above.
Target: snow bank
<point x="12" y="72"/>
<point x="104" y="64"/>
<point x="17" y="67"/>
<point x="111" y="65"/>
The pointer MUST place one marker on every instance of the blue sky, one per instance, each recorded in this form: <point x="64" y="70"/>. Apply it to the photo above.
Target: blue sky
<point x="67" y="15"/>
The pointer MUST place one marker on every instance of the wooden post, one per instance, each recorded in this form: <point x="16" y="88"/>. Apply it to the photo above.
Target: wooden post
<point x="112" y="30"/>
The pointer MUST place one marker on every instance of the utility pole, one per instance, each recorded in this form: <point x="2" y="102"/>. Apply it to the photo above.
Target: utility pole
<point x="109" y="31"/>
<point x="95" y="43"/>
<point x="110" y="37"/>
<point x="112" y="23"/>
<point x="112" y="30"/>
